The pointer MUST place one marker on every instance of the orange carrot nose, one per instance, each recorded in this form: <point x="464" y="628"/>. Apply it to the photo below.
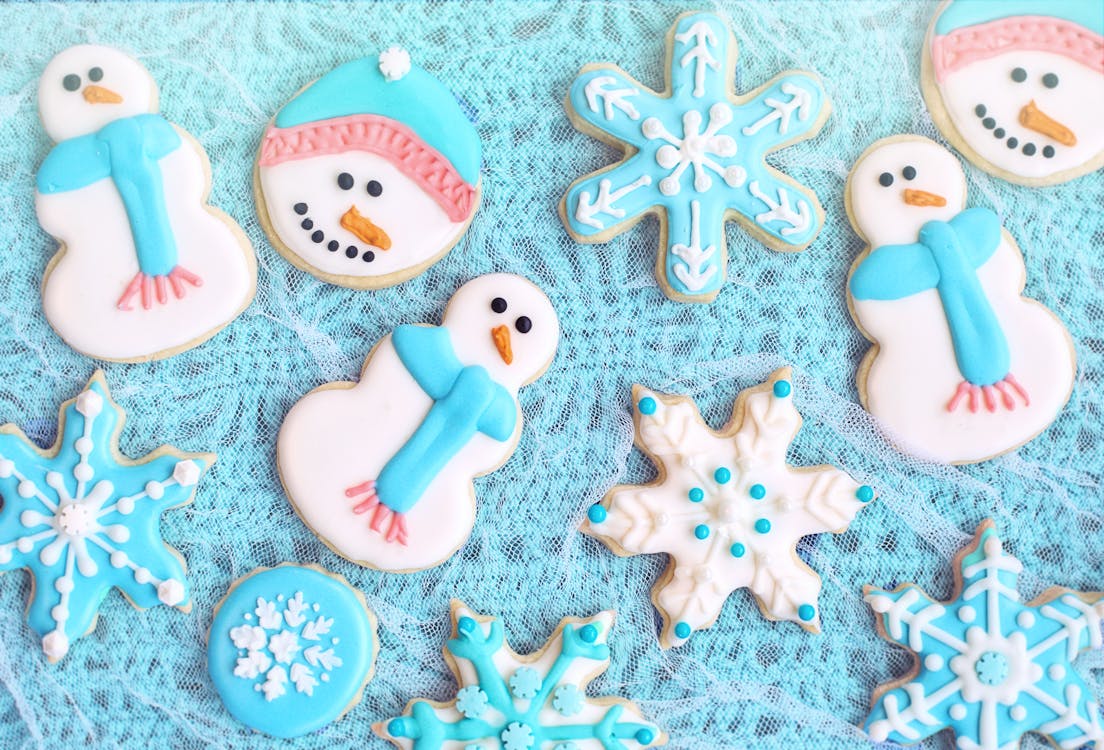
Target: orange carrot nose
<point x="501" y="337"/>
<point x="365" y="229"/>
<point x="94" y="94"/>
<point x="924" y="198"/>
<point x="1039" y="121"/>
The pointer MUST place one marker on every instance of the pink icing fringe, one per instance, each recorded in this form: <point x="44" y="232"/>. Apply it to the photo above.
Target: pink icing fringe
<point x="378" y="135"/>
<point x="969" y="44"/>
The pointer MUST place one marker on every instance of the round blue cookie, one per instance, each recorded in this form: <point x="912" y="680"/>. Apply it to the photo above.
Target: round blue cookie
<point x="291" y="648"/>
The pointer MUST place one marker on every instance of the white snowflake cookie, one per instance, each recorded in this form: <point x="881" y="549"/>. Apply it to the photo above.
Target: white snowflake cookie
<point x="291" y="649"/>
<point x="988" y="666"/>
<point x="727" y="508"/>
<point x="517" y="702"/>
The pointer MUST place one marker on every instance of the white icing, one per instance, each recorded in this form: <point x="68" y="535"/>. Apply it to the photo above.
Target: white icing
<point x="796" y="220"/>
<point x="800" y="102"/>
<point x="326" y="446"/>
<point x="701" y="34"/>
<point x="588" y="210"/>
<point x="915" y="374"/>
<point x="695" y="148"/>
<point x="612" y="99"/>
<point x="698" y="270"/>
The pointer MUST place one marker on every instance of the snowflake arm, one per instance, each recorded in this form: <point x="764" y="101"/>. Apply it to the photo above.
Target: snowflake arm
<point x="607" y="200"/>
<point x="608" y="100"/>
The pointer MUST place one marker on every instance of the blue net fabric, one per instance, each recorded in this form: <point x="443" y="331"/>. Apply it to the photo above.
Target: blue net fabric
<point x="140" y="679"/>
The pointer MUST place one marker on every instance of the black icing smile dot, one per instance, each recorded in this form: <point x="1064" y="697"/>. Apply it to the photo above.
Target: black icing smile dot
<point x="1029" y="149"/>
<point x="1012" y="143"/>
<point x="317" y="236"/>
<point x="300" y="208"/>
<point x="333" y="246"/>
<point x="351" y="251"/>
<point x="368" y="256"/>
<point x="307" y="224"/>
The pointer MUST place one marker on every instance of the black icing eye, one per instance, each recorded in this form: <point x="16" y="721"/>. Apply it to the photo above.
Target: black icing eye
<point x="885" y="179"/>
<point x="523" y="324"/>
<point x="1050" y="80"/>
<point x="374" y="189"/>
<point x="345" y="181"/>
<point x="909" y="173"/>
<point x="95" y="74"/>
<point x="71" y="82"/>
<point x="498" y="305"/>
<point x="1019" y="75"/>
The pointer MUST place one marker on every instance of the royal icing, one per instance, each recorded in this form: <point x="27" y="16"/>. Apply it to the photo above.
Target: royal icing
<point x="517" y="702"/>
<point x="1016" y="85"/>
<point x="727" y="508"/>
<point x="695" y="157"/>
<point x="987" y="665"/>
<point x="83" y="520"/>
<point x="370" y="174"/>
<point x="381" y="470"/>
<point x="145" y="268"/>
<point x="964" y="367"/>
<point x="291" y="648"/>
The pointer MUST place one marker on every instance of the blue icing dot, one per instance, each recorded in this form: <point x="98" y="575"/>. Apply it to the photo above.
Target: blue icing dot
<point x="647" y="406"/>
<point x="682" y="630"/>
<point x="865" y="493"/>
<point x="806" y="612"/>
<point x="762" y="526"/>
<point x="991" y="668"/>
<point x="722" y="475"/>
<point x="696" y="495"/>
<point x="782" y="388"/>
<point x="525" y="682"/>
<point x="758" y="491"/>
<point x="645" y="736"/>
<point x="395" y="728"/>
<point x="597" y="514"/>
<point x="465" y="625"/>
<point x="588" y="633"/>
<point x="737" y="550"/>
<point x="701" y="531"/>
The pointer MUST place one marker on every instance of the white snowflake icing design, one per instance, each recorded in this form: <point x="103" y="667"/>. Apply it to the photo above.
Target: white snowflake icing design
<point x="83" y="521"/>
<point x="287" y="638"/>
<point x="727" y="508"/>
<point x="989" y="667"/>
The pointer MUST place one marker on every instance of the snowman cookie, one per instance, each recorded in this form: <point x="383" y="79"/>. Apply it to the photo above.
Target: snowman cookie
<point x="1018" y="86"/>
<point x="370" y="174"/>
<point x="963" y="366"/>
<point x="382" y="469"/>
<point x="145" y="268"/>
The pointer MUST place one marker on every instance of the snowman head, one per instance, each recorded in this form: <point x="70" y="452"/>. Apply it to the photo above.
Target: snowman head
<point x="371" y="171"/>
<point x="1022" y="82"/>
<point x="85" y="87"/>
<point x="899" y="184"/>
<point x="506" y="324"/>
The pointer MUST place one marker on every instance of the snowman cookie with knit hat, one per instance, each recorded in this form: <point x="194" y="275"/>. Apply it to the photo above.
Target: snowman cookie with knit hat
<point x="145" y="268"/>
<point x="370" y="174"/>
<point x="1018" y="85"/>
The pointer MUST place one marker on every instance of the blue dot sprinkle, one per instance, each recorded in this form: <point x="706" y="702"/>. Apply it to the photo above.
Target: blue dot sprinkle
<point x="597" y="514"/>
<point x="737" y="550"/>
<point x="466" y="625"/>
<point x="758" y="491"/>
<point x="806" y="612"/>
<point x="722" y="475"/>
<point x="644" y="736"/>
<point x="588" y="633"/>
<point x="647" y="406"/>
<point x="864" y="493"/>
<point x="697" y="495"/>
<point x="782" y="388"/>
<point x="762" y="526"/>
<point x="701" y="531"/>
<point x="682" y="630"/>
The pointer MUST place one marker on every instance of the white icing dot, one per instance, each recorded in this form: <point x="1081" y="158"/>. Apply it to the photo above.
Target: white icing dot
<point x="31" y="518"/>
<point x="83" y="472"/>
<point x="967" y="614"/>
<point x="957" y="712"/>
<point x="934" y="662"/>
<point x="24" y="544"/>
<point x="63" y="585"/>
<point x="1056" y="672"/>
<point x="669" y="186"/>
<point x="142" y="575"/>
<point x="667" y="156"/>
<point x="879" y="731"/>
<point x="117" y="533"/>
<point x="155" y="490"/>
<point x="5" y="553"/>
<point x="26" y="488"/>
<point x="186" y="473"/>
<point x="83" y="446"/>
<point x="1018" y="713"/>
<point x="316" y="607"/>
<point x="60" y="614"/>
<point x="119" y="559"/>
<point x="125" y="506"/>
<point x="170" y="592"/>
<point x="720" y="113"/>
<point x="335" y="641"/>
<point x="89" y="403"/>
<point x="651" y="127"/>
<point x="257" y="687"/>
<point x="248" y="616"/>
<point x="279" y="597"/>
<point x="54" y="479"/>
<point x="702" y="182"/>
<point x="735" y="175"/>
<point x="1025" y="619"/>
<point x="325" y="677"/>
<point x="55" y="645"/>
<point x="6" y="468"/>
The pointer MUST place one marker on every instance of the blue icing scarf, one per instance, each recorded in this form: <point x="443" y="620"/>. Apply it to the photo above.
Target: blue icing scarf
<point x="947" y="258"/>
<point x="127" y="151"/>
<point x="465" y="401"/>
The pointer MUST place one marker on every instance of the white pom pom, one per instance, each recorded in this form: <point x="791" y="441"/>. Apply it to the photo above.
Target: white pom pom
<point x="394" y="63"/>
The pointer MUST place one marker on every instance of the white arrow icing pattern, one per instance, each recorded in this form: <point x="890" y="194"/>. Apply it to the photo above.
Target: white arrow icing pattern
<point x="611" y="98"/>
<point x="781" y="210"/>
<point x="603" y="204"/>
<point x="702" y="35"/>
<point x="698" y="271"/>
<point x="800" y="101"/>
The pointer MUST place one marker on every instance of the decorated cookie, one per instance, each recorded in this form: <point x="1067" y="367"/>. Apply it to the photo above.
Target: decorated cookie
<point x="988" y="666"/>
<point x="370" y="174"/>
<point x="963" y="366"/>
<point x="145" y="268"/>
<point x="382" y="469"/>
<point x="695" y="157"/>
<point x="727" y="508"/>
<point x="291" y="649"/>
<point x="84" y="519"/>
<point x="534" y="702"/>
<point x="1017" y="85"/>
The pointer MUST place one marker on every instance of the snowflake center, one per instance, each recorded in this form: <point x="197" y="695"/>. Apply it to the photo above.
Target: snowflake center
<point x="991" y="668"/>
<point x="76" y="520"/>
<point x="695" y="149"/>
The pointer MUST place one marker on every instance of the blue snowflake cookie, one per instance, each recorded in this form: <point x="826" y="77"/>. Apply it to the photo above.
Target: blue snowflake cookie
<point x="83" y="519"/>
<point x="291" y="649"/>
<point x="989" y="667"/>
<point x="513" y="702"/>
<point x="695" y="157"/>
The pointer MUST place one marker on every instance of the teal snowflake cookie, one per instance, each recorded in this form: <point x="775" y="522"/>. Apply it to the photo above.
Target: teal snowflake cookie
<point x="534" y="702"/>
<point x="695" y="157"/>
<point x="83" y="520"/>
<point x="727" y="508"/>
<point x="988" y="666"/>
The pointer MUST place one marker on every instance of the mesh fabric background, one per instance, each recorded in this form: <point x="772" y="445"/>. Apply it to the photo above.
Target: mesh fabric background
<point x="140" y="680"/>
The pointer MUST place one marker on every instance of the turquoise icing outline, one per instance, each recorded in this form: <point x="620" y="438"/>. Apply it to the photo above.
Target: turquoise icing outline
<point x="936" y="632"/>
<point x="294" y="714"/>
<point x="961" y="13"/>
<point x="636" y="198"/>
<point x="418" y="100"/>
<point x="130" y="483"/>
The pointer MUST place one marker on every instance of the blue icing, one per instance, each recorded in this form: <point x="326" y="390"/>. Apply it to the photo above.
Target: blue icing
<point x="991" y="667"/>
<point x="946" y="258"/>
<point x="696" y="195"/>
<point x="290" y="648"/>
<point x="127" y="151"/>
<point x="417" y="100"/>
<point x="108" y="514"/>
<point x="960" y="13"/>
<point x="465" y="401"/>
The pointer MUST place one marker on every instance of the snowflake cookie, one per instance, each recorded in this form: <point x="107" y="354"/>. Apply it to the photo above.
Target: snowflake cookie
<point x="514" y="702"/>
<point x="291" y="649"/>
<point x="695" y="157"/>
<point x="83" y="519"/>
<point x="988" y="666"/>
<point x="727" y="508"/>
